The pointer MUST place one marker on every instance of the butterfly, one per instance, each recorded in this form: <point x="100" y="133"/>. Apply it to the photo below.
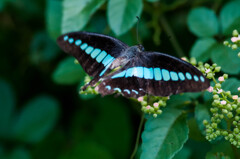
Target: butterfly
<point x="130" y="71"/>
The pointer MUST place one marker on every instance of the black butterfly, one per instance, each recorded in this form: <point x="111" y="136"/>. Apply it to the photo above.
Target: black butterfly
<point x="139" y="72"/>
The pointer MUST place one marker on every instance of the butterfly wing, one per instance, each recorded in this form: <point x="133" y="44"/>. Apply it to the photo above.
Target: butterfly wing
<point x="95" y="52"/>
<point x="155" y="74"/>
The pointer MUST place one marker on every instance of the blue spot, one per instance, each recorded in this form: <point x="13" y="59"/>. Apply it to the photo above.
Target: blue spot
<point x="157" y="74"/>
<point x="135" y="91"/>
<point x="195" y="78"/>
<point x="148" y="73"/>
<point x="78" y="42"/>
<point x="188" y="75"/>
<point x="65" y="38"/>
<point x="84" y="46"/>
<point x="174" y="76"/>
<point x="108" y="87"/>
<point x="101" y="56"/>
<point x="129" y="72"/>
<point x="108" y="59"/>
<point x="71" y="40"/>
<point x="165" y="74"/>
<point x="126" y="90"/>
<point x="138" y="72"/>
<point x="119" y="75"/>
<point x="181" y="76"/>
<point x="95" y="53"/>
<point x="117" y="89"/>
<point x="106" y="68"/>
<point x="89" y="49"/>
<point x="202" y="78"/>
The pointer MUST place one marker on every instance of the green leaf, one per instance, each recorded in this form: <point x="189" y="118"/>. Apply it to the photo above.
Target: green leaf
<point x="87" y="150"/>
<point x="226" y="58"/>
<point x="122" y="14"/>
<point x="203" y="22"/>
<point x="67" y="72"/>
<point x="19" y="153"/>
<point x="36" y="120"/>
<point x="219" y="155"/>
<point x="77" y="13"/>
<point x="202" y="113"/>
<point x="164" y="136"/>
<point x="232" y="85"/>
<point x="43" y="48"/>
<point x="230" y="17"/>
<point x="54" y="18"/>
<point x="7" y="104"/>
<point x="178" y="100"/>
<point x="184" y="153"/>
<point x="221" y="149"/>
<point x="194" y="131"/>
<point x="201" y="49"/>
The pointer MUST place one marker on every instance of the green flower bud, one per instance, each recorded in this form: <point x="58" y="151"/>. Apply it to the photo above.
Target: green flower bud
<point x="234" y="106"/>
<point x="226" y="43"/>
<point x="239" y="54"/>
<point x="193" y="61"/>
<point x="236" y="130"/>
<point x="228" y="93"/>
<point x="224" y="111"/>
<point x="235" y="33"/>
<point x="214" y="125"/>
<point x="218" y="85"/>
<point x="225" y="76"/>
<point x="237" y="118"/>
<point x="154" y="115"/>
<point x="159" y="111"/>
<point x="225" y="133"/>
<point x="76" y="61"/>
<point x="216" y="96"/>
<point x="234" y="46"/>
<point x="234" y="123"/>
<point x="230" y="115"/>
<point x="210" y="75"/>
<point x="230" y="135"/>
<point x="217" y="69"/>
<point x="238" y="110"/>
<point x="205" y="122"/>
<point x="207" y="65"/>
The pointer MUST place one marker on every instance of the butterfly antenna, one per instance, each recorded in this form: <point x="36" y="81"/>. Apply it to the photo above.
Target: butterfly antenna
<point x="137" y="28"/>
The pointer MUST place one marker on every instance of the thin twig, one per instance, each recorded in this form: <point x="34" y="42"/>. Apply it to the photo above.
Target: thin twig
<point x="170" y="33"/>
<point x="138" y="137"/>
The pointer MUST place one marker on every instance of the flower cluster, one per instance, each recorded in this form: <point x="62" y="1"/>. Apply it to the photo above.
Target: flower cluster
<point x="235" y="41"/>
<point x="225" y="120"/>
<point x="152" y="104"/>
<point x="89" y="90"/>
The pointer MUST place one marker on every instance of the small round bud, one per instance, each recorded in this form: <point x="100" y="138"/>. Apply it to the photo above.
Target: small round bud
<point x="226" y="43"/>
<point x="76" y="61"/>
<point x="217" y="69"/>
<point x="237" y="118"/>
<point x="234" y="46"/>
<point x="154" y="115"/>
<point x="193" y="61"/>
<point x="224" y="133"/>
<point x="216" y="96"/>
<point x="234" y="123"/>
<point x="210" y="75"/>
<point x="218" y="85"/>
<point x="239" y="54"/>
<point x="236" y="130"/>
<point x="225" y="76"/>
<point x="235" y="33"/>
<point x="228" y="93"/>
<point x="214" y="125"/>
<point x="207" y="65"/>
<point x="238" y="110"/>
<point x="205" y="122"/>
<point x="230" y="115"/>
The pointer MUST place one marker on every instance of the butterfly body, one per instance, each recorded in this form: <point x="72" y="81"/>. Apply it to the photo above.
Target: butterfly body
<point x="138" y="72"/>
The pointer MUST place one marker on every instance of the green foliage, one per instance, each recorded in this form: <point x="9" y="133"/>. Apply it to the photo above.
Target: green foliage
<point x="89" y="126"/>
<point x="76" y="13"/>
<point x="67" y="72"/>
<point x="7" y="105"/>
<point x="164" y="136"/>
<point x="203" y="22"/>
<point x="36" y="119"/>
<point x="122" y="14"/>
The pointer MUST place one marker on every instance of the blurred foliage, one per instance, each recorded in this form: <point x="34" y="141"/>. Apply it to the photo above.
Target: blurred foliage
<point x="43" y="116"/>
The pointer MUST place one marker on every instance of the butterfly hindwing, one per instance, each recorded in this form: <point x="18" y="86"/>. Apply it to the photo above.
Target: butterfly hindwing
<point x="156" y="74"/>
<point x="95" y="52"/>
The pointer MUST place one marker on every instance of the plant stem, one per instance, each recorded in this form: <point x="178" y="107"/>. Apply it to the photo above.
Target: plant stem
<point x="138" y="137"/>
<point x="170" y="33"/>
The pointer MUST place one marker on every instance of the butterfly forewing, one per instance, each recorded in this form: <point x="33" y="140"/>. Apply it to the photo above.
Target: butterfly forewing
<point x="95" y="52"/>
<point x="156" y="74"/>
